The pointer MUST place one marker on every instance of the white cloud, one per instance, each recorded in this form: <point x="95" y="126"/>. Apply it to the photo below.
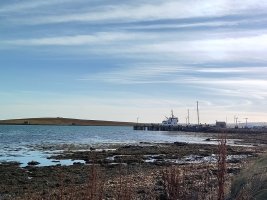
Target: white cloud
<point x="250" y="48"/>
<point x="160" y="10"/>
<point x="231" y="70"/>
<point x="235" y="48"/>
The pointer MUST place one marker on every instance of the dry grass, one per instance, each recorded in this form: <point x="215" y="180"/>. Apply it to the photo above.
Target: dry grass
<point x="252" y="182"/>
<point x="189" y="182"/>
<point x="197" y="182"/>
<point x="222" y="155"/>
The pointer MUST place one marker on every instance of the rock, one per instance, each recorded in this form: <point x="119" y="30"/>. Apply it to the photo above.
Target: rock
<point x="180" y="143"/>
<point x="145" y="142"/>
<point x="55" y="161"/>
<point x="234" y="160"/>
<point x="233" y="170"/>
<point x="77" y="163"/>
<point x="92" y="149"/>
<point x="33" y="163"/>
<point x="141" y="191"/>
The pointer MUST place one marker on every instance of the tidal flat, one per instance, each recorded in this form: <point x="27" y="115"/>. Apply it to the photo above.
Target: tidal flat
<point x="129" y="171"/>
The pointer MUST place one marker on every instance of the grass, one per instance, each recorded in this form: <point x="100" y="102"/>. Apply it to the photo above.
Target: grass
<point x="222" y="154"/>
<point x="252" y="181"/>
<point x="63" y="121"/>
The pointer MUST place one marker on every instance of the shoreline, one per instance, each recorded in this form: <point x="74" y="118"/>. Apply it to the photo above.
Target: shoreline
<point x="42" y="152"/>
<point x="141" y="165"/>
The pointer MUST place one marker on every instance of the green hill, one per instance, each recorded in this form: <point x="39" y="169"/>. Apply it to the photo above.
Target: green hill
<point x="63" y="121"/>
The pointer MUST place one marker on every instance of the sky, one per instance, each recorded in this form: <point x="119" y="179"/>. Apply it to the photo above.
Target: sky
<point x="123" y="60"/>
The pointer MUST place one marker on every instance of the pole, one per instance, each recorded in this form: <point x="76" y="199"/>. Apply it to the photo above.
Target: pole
<point x="246" y="122"/>
<point x="234" y="119"/>
<point x="197" y="114"/>
<point x="188" y="116"/>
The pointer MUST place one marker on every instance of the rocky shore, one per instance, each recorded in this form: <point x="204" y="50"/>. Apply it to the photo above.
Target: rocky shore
<point x="139" y="171"/>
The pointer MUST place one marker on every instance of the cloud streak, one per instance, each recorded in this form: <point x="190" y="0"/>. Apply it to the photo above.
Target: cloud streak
<point x="236" y="48"/>
<point x="99" y="38"/>
<point x="156" y="11"/>
<point x="27" y="5"/>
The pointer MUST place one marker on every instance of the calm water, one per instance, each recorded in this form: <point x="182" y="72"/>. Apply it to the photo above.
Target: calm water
<point x="17" y="142"/>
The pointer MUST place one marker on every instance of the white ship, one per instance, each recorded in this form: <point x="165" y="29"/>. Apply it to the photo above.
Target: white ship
<point x="171" y="121"/>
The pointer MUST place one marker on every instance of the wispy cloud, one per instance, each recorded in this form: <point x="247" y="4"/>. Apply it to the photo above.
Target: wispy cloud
<point x="234" y="82"/>
<point x="98" y="38"/>
<point x="239" y="70"/>
<point x="160" y="10"/>
<point x="195" y="23"/>
<point x="26" y="5"/>
<point x="236" y="48"/>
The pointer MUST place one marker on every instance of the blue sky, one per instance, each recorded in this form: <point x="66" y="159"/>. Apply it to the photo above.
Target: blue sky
<point x="119" y="60"/>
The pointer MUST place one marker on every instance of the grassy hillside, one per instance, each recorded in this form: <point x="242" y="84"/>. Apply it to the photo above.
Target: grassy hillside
<point x="64" y="121"/>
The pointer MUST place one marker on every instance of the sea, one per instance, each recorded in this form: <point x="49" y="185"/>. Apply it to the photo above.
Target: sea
<point x="25" y="143"/>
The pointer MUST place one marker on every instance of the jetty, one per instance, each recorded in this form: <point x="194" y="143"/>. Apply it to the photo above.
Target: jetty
<point x="206" y="128"/>
<point x="171" y="124"/>
<point x="161" y="127"/>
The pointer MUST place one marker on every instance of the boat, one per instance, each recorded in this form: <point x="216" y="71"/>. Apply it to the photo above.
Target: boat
<point x="170" y="121"/>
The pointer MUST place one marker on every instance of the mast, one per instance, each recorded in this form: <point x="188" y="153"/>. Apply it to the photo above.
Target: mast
<point x="188" y="116"/>
<point x="197" y="114"/>
<point x="246" y="122"/>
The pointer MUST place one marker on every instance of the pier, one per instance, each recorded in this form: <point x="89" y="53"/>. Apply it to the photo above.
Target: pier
<point x="160" y="127"/>
<point x="206" y="128"/>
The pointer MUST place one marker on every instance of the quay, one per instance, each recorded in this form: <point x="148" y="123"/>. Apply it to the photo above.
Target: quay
<point x="171" y="124"/>
<point x="160" y="127"/>
<point x="206" y="128"/>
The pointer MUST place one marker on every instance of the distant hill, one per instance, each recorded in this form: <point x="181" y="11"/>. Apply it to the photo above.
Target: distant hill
<point x="63" y="121"/>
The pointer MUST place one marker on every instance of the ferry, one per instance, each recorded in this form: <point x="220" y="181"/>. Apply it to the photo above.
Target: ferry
<point x="170" y="121"/>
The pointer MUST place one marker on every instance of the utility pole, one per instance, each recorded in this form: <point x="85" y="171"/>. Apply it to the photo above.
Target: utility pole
<point x="197" y="114"/>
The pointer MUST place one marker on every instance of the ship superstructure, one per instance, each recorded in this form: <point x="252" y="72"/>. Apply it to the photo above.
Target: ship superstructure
<point x="170" y="121"/>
